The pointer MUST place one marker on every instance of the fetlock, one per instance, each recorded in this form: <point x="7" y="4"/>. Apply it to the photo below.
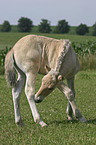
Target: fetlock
<point x="70" y="117"/>
<point x="37" y="119"/>
<point x="20" y="122"/>
<point x="78" y="114"/>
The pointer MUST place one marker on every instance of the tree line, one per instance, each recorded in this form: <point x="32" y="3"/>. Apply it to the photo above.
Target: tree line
<point x="26" y="25"/>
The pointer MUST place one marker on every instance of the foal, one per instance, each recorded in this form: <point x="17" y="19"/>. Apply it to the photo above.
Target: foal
<point x="53" y="58"/>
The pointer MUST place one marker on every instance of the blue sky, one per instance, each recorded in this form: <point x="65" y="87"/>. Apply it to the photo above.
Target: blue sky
<point x="74" y="11"/>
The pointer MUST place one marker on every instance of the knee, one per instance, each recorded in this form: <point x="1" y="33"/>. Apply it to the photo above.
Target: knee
<point x="70" y="96"/>
<point x="29" y="94"/>
<point x="29" y="91"/>
<point x="16" y="94"/>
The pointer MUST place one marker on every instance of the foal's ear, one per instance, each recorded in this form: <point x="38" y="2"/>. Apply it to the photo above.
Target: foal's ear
<point x="47" y="68"/>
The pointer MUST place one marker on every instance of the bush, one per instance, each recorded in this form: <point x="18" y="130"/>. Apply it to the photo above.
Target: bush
<point x="87" y="54"/>
<point x="44" y="26"/>
<point x="24" y="24"/>
<point x="6" y="27"/>
<point x="62" y="27"/>
<point x="85" y="49"/>
<point x="3" y="53"/>
<point x="2" y="70"/>
<point x="82" y="29"/>
<point x="94" y="29"/>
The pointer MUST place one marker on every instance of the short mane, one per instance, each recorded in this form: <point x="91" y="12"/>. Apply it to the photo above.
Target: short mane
<point x="64" y="51"/>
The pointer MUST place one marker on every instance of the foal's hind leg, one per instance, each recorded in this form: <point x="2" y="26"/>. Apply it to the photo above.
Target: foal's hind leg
<point x="69" y="111"/>
<point x="16" y="92"/>
<point x="30" y="92"/>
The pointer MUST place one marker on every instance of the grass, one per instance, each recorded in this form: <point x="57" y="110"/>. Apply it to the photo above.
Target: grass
<point x="87" y="62"/>
<point x="60" y="131"/>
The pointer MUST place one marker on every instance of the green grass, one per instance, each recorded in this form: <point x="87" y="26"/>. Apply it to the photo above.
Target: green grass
<point x="52" y="110"/>
<point x="87" y="62"/>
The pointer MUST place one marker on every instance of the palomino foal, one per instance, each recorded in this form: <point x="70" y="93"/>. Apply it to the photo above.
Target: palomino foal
<point x="53" y="58"/>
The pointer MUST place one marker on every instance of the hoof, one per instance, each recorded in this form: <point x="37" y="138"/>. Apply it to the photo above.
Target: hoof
<point x="70" y="118"/>
<point x="82" y="119"/>
<point x="20" y="123"/>
<point x="43" y="124"/>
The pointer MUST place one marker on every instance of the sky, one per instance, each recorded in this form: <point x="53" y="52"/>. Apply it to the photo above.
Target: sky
<point x="73" y="11"/>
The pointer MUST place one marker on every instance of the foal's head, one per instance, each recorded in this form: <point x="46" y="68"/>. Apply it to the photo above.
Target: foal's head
<point x="49" y="83"/>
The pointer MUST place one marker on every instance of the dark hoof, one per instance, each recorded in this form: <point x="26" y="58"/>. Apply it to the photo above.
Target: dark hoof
<point x="20" y="123"/>
<point x="82" y="119"/>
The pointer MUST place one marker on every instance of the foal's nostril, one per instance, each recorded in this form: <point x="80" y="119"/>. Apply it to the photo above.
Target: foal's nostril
<point x="51" y="88"/>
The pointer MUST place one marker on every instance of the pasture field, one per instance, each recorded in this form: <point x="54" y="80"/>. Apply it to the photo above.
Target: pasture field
<point x="60" y="131"/>
<point x="35" y="29"/>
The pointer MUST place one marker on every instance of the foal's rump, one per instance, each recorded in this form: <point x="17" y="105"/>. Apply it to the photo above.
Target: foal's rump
<point x="24" y="56"/>
<point x="27" y="54"/>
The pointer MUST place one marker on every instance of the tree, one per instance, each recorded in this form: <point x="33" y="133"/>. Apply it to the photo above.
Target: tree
<point x="62" y="27"/>
<point x="6" y="27"/>
<point x="24" y="24"/>
<point x="94" y="29"/>
<point x="44" y="26"/>
<point x="82" y="29"/>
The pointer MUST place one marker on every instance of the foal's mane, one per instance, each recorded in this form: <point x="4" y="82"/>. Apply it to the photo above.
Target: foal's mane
<point x="65" y="49"/>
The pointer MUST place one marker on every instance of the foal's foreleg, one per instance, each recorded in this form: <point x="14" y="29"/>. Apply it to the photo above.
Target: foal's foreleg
<point x="30" y="92"/>
<point x="69" y="94"/>
<point x="16" y="92"/>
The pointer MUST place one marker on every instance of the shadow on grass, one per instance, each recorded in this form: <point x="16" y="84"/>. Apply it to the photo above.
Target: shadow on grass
<point x="91" y="121"/>
<point x="69" y="122"/>
<point x="63" y="122"/>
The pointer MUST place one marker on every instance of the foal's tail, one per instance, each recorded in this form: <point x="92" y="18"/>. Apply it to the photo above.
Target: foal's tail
<point x="10" y="73"/>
